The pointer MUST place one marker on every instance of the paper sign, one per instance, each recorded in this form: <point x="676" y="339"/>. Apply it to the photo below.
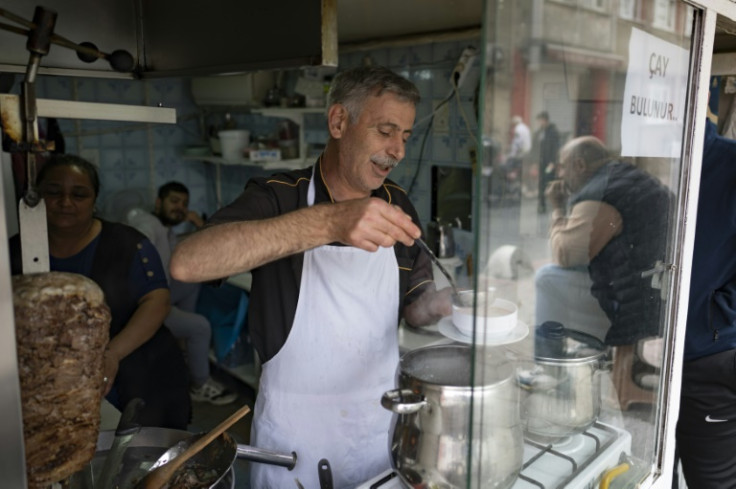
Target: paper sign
<point x="654" y="97"/>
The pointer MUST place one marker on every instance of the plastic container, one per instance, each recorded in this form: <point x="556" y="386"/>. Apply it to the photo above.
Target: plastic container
<point x="289" y="148"/>
<point x="233" y="142"/>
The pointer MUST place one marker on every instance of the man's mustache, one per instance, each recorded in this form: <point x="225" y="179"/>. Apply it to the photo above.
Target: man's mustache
<point x="385" y="161"/>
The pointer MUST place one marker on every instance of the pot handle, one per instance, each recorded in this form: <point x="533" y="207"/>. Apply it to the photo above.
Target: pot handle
<point x="605" y="365"/>
<point x="403" y="401"/>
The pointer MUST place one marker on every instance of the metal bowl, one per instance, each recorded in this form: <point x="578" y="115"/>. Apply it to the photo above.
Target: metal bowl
<point x="144" y="449"/>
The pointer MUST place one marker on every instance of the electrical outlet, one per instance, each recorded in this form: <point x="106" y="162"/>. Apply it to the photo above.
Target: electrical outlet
<point x="460" y="73"/>
<point x="441" y="122"/>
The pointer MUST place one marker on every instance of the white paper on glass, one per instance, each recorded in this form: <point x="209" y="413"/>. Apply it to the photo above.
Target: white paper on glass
<point x="654" y="97"/>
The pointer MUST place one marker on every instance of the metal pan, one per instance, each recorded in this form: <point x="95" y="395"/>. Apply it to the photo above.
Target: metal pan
<point x="213" y="462"/>
<point x="149" y="445"/>
<point x="206" y="468"/>
<point x="142" y="452"/>
<point x="128" y="427"/>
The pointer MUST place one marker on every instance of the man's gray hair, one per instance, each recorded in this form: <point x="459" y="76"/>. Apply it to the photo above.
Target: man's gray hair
<point x="590" y="149"/>
<point x="352" y="87"/>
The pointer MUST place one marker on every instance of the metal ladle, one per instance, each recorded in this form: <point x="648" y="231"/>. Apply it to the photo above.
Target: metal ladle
<point x="455" y="295"/>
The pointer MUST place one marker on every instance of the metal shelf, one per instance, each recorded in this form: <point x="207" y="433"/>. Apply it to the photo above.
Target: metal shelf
<point x="296" y="115"/>
<point x="292" y="164"/>
<point x="218" y="161"/>
<point x="290" y="112"/>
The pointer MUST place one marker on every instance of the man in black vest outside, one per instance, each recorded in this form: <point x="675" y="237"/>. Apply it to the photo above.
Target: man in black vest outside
<point x="615" y="229"/>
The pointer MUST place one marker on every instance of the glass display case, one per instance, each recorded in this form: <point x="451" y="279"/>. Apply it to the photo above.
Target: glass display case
<point x="589" y="131"/>
<point x="563" y="370"/>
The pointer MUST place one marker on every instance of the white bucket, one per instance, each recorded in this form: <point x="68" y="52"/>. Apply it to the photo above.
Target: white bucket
<point x="233" y="142"/>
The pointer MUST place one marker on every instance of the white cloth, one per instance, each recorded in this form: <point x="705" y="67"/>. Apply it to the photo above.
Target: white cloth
<point x="320" y="394"/>
<point x="162" y="237"/>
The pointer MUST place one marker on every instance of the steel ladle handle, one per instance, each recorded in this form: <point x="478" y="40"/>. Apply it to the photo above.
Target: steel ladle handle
<point x="420" y="242"/>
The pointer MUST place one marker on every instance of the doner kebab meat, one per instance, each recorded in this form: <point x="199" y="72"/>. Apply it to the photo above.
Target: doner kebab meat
<point x="62" y="326"/>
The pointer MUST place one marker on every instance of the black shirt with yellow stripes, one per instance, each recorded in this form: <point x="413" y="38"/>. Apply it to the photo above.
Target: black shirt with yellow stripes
<point x="275" y="287"/>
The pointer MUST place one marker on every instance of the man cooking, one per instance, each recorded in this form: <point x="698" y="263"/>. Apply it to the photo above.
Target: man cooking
<point x="334" y="265"/>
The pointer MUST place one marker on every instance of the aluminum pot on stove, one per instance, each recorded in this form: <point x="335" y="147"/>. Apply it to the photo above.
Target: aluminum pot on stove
<point x="564" y="387"/>
<point x="449" y="429"/>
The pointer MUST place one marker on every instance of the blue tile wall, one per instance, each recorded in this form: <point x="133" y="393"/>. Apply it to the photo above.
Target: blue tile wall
<point x="141" y="157"/>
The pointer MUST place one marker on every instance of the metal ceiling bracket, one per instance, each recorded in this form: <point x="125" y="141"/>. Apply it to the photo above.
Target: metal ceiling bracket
<point x="32" y="209"/>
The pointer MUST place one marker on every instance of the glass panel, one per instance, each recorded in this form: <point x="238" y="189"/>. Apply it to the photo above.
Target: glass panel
<point x="582" y="121"/>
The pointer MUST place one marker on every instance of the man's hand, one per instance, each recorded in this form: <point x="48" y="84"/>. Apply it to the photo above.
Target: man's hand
<point x="372" y="223"/>
<point x="556" y="194"/>
<point x="195" y="219"/>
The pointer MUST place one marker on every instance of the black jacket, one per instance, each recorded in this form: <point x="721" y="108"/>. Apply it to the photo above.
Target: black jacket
<point x="275" y="291"/>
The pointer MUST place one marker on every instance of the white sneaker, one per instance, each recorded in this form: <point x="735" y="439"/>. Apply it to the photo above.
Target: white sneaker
<point x="213" y="392"/>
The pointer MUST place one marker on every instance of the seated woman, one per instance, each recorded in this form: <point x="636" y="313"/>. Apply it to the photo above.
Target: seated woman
<point x="142" y="358"/>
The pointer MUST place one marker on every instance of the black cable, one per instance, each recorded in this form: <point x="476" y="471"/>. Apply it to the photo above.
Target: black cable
<point x="424" y="141"/>
<point x="419" y="159"/>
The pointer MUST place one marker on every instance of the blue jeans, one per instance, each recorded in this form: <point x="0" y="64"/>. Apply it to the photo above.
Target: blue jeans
<point x="563" y="295"/>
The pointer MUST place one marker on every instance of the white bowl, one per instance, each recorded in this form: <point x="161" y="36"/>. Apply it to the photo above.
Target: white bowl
<point x="492" y="319"/>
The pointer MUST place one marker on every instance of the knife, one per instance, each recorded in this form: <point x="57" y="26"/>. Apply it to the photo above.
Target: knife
<point x="325" y="474"/>
<point x="128" y="427"/>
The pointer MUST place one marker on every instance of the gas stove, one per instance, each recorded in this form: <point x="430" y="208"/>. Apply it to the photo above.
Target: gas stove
<point x="576" y="462"/>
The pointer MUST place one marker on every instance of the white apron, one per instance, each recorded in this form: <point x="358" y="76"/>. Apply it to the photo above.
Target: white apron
<point x="320" y="395"/>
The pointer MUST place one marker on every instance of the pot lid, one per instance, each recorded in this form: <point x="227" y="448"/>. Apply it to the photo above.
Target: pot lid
<point x="455" y="365"/>
<point x="552" y="341"/>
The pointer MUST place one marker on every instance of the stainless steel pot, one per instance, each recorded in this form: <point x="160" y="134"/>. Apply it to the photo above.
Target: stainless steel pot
<point x="564" y="386"/>
<point x="449" y="433"/>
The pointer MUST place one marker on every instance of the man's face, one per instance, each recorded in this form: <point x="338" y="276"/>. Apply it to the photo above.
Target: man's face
<point x="172" y="209"/>
<point x="373" y="145"/>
